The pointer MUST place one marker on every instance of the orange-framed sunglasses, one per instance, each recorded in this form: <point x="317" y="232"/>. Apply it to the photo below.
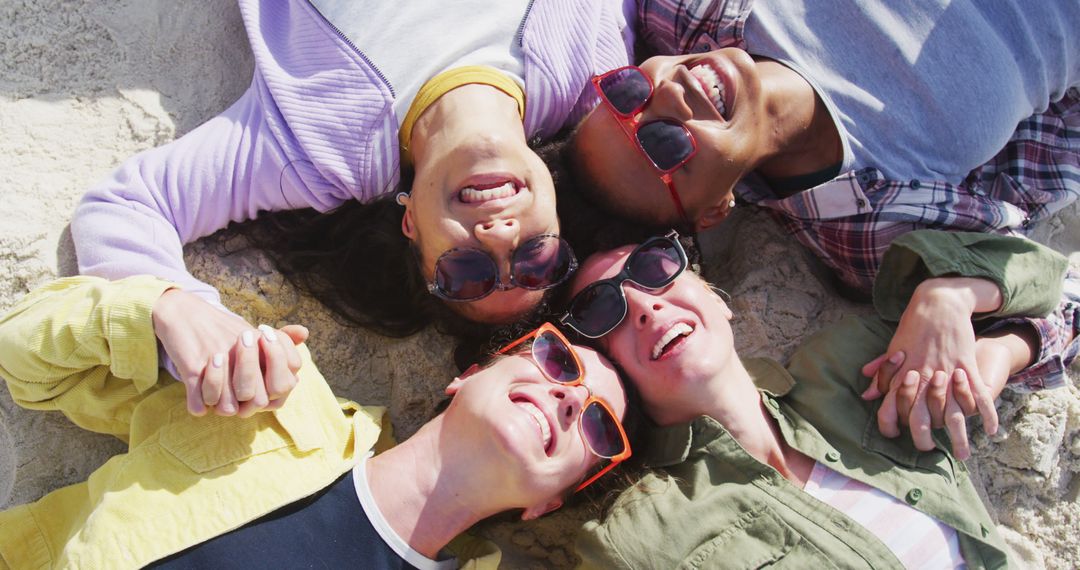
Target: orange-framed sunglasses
<point x="600" y="428"/>
<point x="667" y="143"/>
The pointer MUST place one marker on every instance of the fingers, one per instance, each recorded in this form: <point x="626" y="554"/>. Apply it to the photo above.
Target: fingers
<point x="984" y="402"/>
<point x="195" y="404"/>
<point x="925" y="408"/>
<point x="909" y="389"/>
<point x="889" y="369"/>
<point x="280" y="379"/>
<point x="961" y="392"/>
<point x="870" y="369"/>
<point x="936" y="398"/>
<point x="298" y="333"/>
<point x="956" y="419"/>
<point x="886" y="416"/>
<point x="214" y="378"/>
<point x="247" y="378"/>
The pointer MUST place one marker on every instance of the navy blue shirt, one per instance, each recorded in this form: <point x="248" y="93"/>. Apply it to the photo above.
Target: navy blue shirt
<point x="327" y="530"/>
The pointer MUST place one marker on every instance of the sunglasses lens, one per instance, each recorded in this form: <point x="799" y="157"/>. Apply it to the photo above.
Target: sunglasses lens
<point x="601" y="431"/>
<point x="666" y="143"/>
<point x="552" y="354"/>
<point x="542" y="262"/>
<point x="597" y="309"/>
<point x="626" y="89"/>
<point x="465" y="274"/>
<point x="656" y="263"/>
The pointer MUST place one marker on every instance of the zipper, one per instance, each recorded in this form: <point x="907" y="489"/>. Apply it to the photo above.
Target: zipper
<point x="521" y="27"/>
<point x="344" y="38"/>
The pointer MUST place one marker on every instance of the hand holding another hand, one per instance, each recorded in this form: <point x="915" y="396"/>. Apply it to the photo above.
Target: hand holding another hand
<point x="930" y="376"/>
<point x="226" y="365"/>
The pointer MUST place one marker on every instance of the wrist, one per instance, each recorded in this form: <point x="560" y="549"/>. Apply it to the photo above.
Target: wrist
<point x="969" y="294"/>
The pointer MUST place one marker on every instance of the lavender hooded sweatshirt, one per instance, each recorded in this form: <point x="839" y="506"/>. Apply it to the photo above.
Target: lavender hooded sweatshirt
<point x="315" y="128"/>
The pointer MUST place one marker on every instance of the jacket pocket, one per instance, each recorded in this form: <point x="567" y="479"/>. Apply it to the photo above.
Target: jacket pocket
<point x="210" y="442"/>
<point x="760" y="539"/>
<point x="901" y="451"/>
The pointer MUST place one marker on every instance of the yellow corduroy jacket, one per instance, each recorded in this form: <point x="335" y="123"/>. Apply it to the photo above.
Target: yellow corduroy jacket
<point x="86" y="347"/>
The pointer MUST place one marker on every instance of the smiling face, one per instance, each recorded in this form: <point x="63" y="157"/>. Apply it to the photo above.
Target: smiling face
<point x="479" y="185"/>
<point x="719" y="97"/>
<point x="531" y="424"/>
<point x="673" y="343"/>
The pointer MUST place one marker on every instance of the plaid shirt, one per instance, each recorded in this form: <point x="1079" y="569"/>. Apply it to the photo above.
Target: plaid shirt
<point x="850" y="221"/>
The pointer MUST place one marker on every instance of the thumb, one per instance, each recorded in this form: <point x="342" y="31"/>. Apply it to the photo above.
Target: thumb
<point x="298" y="333"/>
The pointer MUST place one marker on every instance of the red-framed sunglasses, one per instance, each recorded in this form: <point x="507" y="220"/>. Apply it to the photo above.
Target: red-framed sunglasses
<point x="667" y="143"/>
<point x="600" y="428"/>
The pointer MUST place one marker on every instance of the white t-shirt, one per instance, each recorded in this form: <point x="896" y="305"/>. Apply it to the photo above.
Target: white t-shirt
<point x="411" y="42"/>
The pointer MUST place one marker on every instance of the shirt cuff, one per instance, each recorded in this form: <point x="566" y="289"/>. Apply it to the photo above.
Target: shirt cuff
<point x="1059" y="341"/>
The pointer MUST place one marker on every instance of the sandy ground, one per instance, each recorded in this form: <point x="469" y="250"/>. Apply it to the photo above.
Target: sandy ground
<point x="86" y="85"/>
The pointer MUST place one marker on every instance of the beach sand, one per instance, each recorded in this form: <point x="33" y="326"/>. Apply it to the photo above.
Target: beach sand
<point x="87" y="85"/>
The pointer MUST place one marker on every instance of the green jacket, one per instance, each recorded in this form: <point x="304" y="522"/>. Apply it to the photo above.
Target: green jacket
<point x="713" y="505"/>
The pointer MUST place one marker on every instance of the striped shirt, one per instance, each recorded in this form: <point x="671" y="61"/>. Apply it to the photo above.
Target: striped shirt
<point x="918" y="540"/>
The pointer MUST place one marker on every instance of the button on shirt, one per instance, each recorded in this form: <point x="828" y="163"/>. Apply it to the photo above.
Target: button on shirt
<point x="850" y="221"/>
<point x="709" y="502"/>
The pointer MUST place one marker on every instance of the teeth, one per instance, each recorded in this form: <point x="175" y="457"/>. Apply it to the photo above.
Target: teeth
<point x="715" y="92"/>
<point x="472" y="194"/>
<point x="541" y="420"/>
<point x="677" y="330"/>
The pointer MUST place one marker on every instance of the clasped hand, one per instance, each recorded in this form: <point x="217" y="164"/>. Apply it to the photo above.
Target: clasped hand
<point x="935" y="372"/>
<point x="226" y="365"/>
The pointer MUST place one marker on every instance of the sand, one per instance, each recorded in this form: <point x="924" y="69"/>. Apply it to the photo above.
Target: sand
<point x="88" y="84"/>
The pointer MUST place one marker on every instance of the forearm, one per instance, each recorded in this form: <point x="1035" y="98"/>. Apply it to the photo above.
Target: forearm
<point x="1028" y="275"/>
<point x="137" y="221"/>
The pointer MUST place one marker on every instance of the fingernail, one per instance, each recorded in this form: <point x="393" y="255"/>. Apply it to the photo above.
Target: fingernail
<point x="219" y="360"/>
<point x="247" y="338"/>
<point x="896" y="358"/>
<point x="268" y="333"/>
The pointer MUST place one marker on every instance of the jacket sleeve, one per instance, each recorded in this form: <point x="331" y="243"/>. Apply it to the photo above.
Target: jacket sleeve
<point x="84" y="346"/>
<point x="226" y="170"/>
<point x="1035" y="289"/>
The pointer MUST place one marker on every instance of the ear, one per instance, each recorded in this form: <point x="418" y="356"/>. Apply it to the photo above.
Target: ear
<point x="537" y="511"/>
<point x="459" y="381"/>
<point x="407" y="226"/>
<point x="714" y="214"/>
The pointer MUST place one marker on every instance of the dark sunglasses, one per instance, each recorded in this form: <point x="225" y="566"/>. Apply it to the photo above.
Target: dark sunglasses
<point x="667" y="143"/>
<point x="597" y="309"/>
<point x="600" y="429"/>
<point x="469" y="274"/>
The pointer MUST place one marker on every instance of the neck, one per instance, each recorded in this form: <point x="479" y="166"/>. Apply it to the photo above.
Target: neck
<point x="469" y="113"/>
<point x="805" y="138"/>
<point x="738" y="406"/>
<point x="425" y="488"/>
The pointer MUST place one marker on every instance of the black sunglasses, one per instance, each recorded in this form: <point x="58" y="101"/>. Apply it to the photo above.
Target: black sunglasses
<point x="469" y="274"/>
<point x="597" y="309"/>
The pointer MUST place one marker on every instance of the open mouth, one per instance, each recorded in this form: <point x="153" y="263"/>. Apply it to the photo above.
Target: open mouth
<point x="542" y="423"/>
<point x="712" y="84"/>
<point x="481" y="191"/>
<point x="672" y="339"/>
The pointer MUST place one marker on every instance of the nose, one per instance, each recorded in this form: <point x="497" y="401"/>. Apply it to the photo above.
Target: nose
<point x="500" y="234"/>
<point x="570" y="401"/>
<point x="668" y="100"/>
<point x="641" y="305"/>
<point x="500" y="237"/>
